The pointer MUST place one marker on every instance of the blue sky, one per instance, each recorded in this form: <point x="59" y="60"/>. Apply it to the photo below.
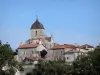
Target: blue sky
<point x="70" y="21"/>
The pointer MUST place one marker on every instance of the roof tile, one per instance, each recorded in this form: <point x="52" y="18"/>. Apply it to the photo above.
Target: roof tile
<point x="28" y="46"/>
<point x="63" y="46"/>
<point x="37" y="25"/>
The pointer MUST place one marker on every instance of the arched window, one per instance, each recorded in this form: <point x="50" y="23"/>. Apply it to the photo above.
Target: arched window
<point x="36" y="32"/>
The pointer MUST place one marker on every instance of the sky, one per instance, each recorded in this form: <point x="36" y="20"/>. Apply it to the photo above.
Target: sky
<point x="70" y="21"/>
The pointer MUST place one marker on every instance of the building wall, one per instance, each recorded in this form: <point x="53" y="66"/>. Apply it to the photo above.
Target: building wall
<point x="67" y="49"/>
<point x="30" y="52"/>
<point x="47" y="44"/>
<point x="90" y="49"/>
<point x="55" y="54"/>
<point x="41" y="47"/>
<point x="37" y="33"/>
<point x="71" y="56"/>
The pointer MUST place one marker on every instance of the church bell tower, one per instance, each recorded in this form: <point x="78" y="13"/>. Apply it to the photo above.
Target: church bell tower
<point x="37" y="29"/>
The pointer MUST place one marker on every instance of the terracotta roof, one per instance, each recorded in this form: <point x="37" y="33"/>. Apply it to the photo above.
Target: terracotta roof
<point x="37" y="25"/>
<point x="64" y="46"/>
<point x="48" y="38"/>
<point x="28" y="46"/>
<point x="86" y="46"/>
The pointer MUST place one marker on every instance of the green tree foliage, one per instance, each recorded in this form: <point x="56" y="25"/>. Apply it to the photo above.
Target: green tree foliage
<point x="88" y="65"/>
<point x="0" y="42"/>
<point x="7" y="59"/>
<point x="51" y="68"/>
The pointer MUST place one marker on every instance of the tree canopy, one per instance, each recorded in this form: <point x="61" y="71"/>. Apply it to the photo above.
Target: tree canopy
<point x="6" y="58"/>
<point x="88" y="65"/>
<point x="50" y="68"/>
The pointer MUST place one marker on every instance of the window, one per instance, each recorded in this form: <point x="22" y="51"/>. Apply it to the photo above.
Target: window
<point x="67" y="58"/>
<point x="32" y="52"/>
<point x="36" y="32"/>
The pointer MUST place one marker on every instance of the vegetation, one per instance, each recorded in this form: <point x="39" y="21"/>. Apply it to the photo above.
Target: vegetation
<point x="7" y="60"/>
<point x="88" y="65"/>
<point x="51" y="68"/>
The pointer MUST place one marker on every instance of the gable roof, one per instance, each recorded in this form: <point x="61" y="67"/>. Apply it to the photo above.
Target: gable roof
<point x="23" y="46"/>
<point x="64" y="46"/>
<point x="86" y="46"/>
<point x="37" y="25"/>
<point x="71" y="46"/>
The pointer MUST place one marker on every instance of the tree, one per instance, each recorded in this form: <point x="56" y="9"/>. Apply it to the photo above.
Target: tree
<point x="7" y="59"/>
<point x="50" y="68"/>
<point x="88" y="65"/>
<point x="0" y="42"/>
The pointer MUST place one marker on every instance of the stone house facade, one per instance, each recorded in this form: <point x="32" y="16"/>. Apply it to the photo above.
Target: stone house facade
<point x="68" y="52"/>
<point x="55" y="54"/>
<point x="30" y="51"/>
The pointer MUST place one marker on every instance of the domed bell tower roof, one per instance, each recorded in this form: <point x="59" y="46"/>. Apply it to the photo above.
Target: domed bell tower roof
<point x="37" y="25"/>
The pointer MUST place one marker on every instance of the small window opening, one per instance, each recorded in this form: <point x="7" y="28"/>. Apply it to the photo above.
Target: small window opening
<point x="36" y="32"/>
<point x="32" y="52"/>
<point x="67" y="58"/>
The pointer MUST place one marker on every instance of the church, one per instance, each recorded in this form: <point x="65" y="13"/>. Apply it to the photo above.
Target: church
<point x="38" y="42"/>
<point x="41" y="47"/>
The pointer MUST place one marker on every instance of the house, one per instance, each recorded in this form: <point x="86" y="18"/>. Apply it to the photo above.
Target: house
<point x="68" y="52"/>
<point x="30" y="51"/>
<point x="86" y="48"/>
<point x="57" y="52"/>
<point x="71" y="55"/>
